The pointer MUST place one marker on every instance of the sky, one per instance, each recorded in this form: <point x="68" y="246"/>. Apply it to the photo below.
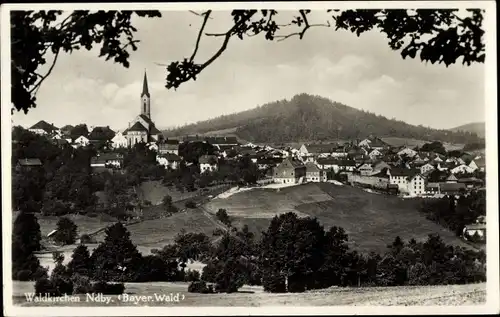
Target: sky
<point x="361" y="72"/>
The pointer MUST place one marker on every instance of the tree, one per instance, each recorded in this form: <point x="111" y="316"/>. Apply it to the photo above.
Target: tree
<point x="66" y="231"/>
<point x="80" y="261"/>
<point x="116" y="258"/>
<point x="223" y="217"/>
<point x="38" y="36"/>
<point x="436" y="147"/>
<point x="440" y="36"/>
<point x="291" y="250"/>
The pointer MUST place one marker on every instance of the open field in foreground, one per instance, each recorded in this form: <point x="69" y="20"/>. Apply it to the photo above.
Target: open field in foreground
<point x="472" y="294"/>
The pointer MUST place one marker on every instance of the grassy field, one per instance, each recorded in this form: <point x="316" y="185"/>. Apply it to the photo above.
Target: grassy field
<point x="472" y="294"/>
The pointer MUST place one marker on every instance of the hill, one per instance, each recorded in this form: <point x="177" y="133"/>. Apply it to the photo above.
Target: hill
<point x="478" y="128"/>
<point x="313" y="118"/>
<point x="371" y="220"/>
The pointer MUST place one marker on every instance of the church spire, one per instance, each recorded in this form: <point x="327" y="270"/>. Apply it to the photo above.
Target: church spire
<point x="145" y="90"/>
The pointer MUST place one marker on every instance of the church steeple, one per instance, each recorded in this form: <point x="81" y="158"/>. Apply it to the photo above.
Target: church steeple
<point x="145" y="98"/>
<point x="145" y="90"/>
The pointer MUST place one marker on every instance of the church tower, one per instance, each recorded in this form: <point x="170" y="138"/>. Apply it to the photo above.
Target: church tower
<point x="145" y="98"/>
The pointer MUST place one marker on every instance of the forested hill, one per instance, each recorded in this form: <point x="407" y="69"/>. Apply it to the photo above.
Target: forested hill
<point x="476" y="127"/>
<point x="314" y="118"/>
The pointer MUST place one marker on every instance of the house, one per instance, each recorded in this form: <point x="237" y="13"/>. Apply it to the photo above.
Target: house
<point x="314" y="174"/>
<point x="107" y="160"/>
<point x="379" y="166"/>
<point x="375" y="154"/>
<point x="289" y="171"/>
<point x="169" y="146"/>
<point x="208" y="163"/>
<point x="409" y="181"/>
<point x="336" y="165"/>
<point x="452" y="188"/>
<point x="451" y="179"/>
<point x="346" y="165"/>
<point x="66" y="130"/>
<point x="222" y="140"/>
<point x="28" y="164"/>
<point x="81" y="141"/>
<point x="462" y="169"/>
<point x="169" y="160"/>
<point x="373" y="143"/>
<point x="324" y="149"/>
<point x="475" y="231"/>
<point x="264" y="163"/>
<point x="426" y="168"/>
<point x="142" y="129"/>
<point x="478" y="164"/>
<point x="101" y="134"/>
<point x="471" y="182"/>
<point x="43" y="128"/>
<point x="119" y="140"/>
<point x="365" y="169"/>
<point x="406" y="151"/>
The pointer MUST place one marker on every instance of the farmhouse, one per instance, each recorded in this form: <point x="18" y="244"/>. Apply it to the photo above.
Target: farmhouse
<point x="452" y="188"/>
<point x="374" y="154"/>
<point x="168" y="146"/>
<point x="28" y="164"/>
<point x="365" y="169"/>
<point x="107" y="160"/>
<point x="101" y="134"/>
<point x="169" y="160"/>
<point x="314" y="174"/>
<point x="405" y="151"/>
<point x="462" y="169"/>
<point x="373" y="143"/>
<point x="409" y="181"/>
<point x="81" y="141"/>
<point x="119" y="140"/>
<point x="426" y="168"/>
<point x="475" y="230"/>
<point x="478" y="164"/>
<point x="471" y="182"/>
<point x="208" y="163"/>
<point x="43" y="128"/>
<point x="324" y="149"/>
<point x="289" y="171"/>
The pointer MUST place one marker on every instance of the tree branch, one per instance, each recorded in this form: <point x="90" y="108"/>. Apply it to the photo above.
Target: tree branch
<point x="301" y="33"/>
<point x="35" y="88"/>
<point x="200" y="32"/>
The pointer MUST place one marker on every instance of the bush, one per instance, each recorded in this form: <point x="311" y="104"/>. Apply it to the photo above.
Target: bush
<point x="81" y="284"/>
<point x="191" y="276"/>
<point x="44" y="286"/>
<point x="273" y="283"/>
<point x="200" y="287"/>
<point x="108" y="288"/>
<point x="87" y="239"/>
<point x="190" y="204"/>
<point x="24" y="275"/>
<point x="92" y="215"/>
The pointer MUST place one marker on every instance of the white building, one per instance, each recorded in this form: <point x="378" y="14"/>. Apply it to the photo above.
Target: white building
<point x="81" y="141"/>
<point x="208" y="163"/>
<point x="426" y="168"/>
<point x="119" y="140"/>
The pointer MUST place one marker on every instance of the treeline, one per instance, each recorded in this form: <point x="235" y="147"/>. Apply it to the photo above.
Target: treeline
<point x="293" y="255"/>
<point x="306" y="117"/>
<point x="454" y="213"/>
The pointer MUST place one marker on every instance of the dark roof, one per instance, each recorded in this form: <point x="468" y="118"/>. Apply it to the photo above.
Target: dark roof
<point x="480" y="162"/>
<point x="171" y="141"/>
<point x="167" y="147"/>
<point x="311" y="168"/>
<point x="61" y="141"/>
<point x="104" y="157"/>
<point x="29" y="162"/>
<point x="145" y="90"/>
<point x="221" y="140"/>
<point x="137" y="127"/>
<point x="269" y="160"/>
<point x="397" y="171"/>
<point x="171" y="157"/>
<point x="43" y="125"/>
<point x="206" y="159"/>
<point x="451" y="187"/>
<point x="67" y="128"/>
<point x="321" y="148"/>
<point x="470" y="180"/>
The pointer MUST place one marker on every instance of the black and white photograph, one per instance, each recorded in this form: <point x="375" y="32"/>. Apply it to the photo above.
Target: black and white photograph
<point x="249" y="158"/>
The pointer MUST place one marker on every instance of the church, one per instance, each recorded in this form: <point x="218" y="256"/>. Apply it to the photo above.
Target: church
<point x="142" y="128"/>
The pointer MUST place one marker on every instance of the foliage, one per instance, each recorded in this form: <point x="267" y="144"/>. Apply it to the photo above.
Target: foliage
<point x="66" y="231"/>
<point x="308" y="117"/>
<point x="26" y="239"/>
<point x="38" y="36"/>
<point x="192" y="151"/>
<point x="81" y="284"/>
<point x="439" y="35"/>
<point x="191" y="276"/>
<point x="116" y="258"/>
<point x="79" y="130"/>
<point x="190" y="204"/>
<point x="200" y="287"/>
<point x="475" y="146"/>
<point x="154" y="268"/>
<point x="80" y="262"/>
<point x="436" y="147"/>
<point x="108" y="288"/>
<point x="168" y="204"/>
<point x="223" y="217"/>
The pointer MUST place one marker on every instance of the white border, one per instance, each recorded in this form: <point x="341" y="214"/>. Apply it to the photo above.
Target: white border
<point x="493" y="283"/>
